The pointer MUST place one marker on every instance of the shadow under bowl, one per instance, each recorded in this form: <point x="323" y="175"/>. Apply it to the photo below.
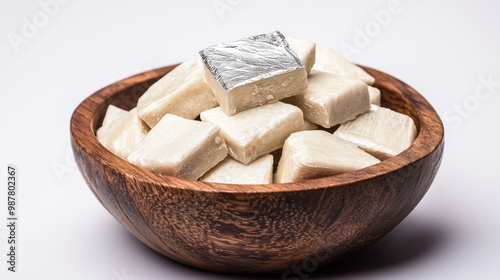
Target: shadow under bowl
<point x="258" y="228"/>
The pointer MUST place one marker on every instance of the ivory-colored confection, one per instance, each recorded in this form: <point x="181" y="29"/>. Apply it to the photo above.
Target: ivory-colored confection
<point x="374" y="95"/>
<point x="121" y="132"/>
<point x="255" y="132"/>
<point x="309" y="125"/>
<point x="231" y="171"/>
<point x="315" y="153"/>
<point x="304" y="49"/>
<point x="182" y="92"/>
<point x="331" y="99"/>
<point x="253" y="71"/>
<point x="330" y="61"/>
<point x="113" y="113"/>
<point x="180" y="147"/>
<point x="381" y="132"/>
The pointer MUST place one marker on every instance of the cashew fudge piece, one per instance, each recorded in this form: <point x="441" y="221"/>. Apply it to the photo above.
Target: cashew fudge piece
<point x="113" y="113"/>
<point x="331" y="99"/>
<point x="121" y="131"/>
<point x="253" y="71"/>
<point x="315" y="153"/>
<point x="255" y="132"/>
<point x="180" y="147"/>
<point x="381" y="132"/>
<point x="309" y="125"/>
<point x="182" y="92"/>
<point x="374" y="95"/>
<point x="231" y="171"/>
<point x="304" y="49"/>
<point x="329" y="60"/>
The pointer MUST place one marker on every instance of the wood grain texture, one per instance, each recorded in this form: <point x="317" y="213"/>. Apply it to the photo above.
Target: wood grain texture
<point x="258" y="228"/>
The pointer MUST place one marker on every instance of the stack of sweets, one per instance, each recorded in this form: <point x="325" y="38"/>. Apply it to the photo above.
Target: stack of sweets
<point x="226" y="116"/>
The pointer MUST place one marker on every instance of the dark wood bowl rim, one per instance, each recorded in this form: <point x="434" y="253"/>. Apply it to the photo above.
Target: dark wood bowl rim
<point x="430" y="135"/>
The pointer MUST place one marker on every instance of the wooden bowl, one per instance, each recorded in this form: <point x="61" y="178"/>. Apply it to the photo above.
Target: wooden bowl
<point x="258" y="228"/>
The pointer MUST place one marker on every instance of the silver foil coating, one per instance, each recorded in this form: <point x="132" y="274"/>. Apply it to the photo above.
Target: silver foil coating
<point x="249" y="60"/>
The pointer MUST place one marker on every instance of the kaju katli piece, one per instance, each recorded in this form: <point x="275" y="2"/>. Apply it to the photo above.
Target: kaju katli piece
<point x="329" y="60"/>
<point x="381" y="132"/>
<point x="375" y="95"/>
<point x="304" y="49"/>
<point x="121" y="131"/>
<point x="182" y="92"/>
<point x="253" y="71"/>
<point x="255" y="132"/>
<point x="113" y="113"/>
<point x="331" y="99"/>
<point x="314" y="154"/>
<point x="231" y="171"/>
<point x="180" y="147"/>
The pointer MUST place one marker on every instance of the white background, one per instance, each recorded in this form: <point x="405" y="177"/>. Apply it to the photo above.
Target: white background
<point x="442" y="49"/>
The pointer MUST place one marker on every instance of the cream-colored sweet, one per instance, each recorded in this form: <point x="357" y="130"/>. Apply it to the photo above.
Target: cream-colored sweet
<point x="259" y="93"/>
<point x="182" y="92"/>
<point x="113" y="113"/>
<point x="374" y="95"/>
<point x="316" y="153"/>
<point x="180" y="147"/>
<point x="331" y="99"/>
<point x="309" y="125"/>
<point x="304" y="49"/>
<point x="329" y="60"/>
<point x="253" y="71"/>
<point x="381" y="132"/>
<point x="231" y="171"/>
<point x="121" y="132"/>
<point x="255" y="132"/>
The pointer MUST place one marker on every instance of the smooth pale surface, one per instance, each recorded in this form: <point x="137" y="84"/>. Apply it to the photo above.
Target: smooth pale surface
<point x="331" y="99"/>
<point x="122" y="131"/>
<point x="180" y="147"/>
<point x="381" y="132"/>
<point x="113" y="113"/>
<point x="316" y="153"/>
<point x="231" y="171"/>
<point x="182" y="92"/>
<point x="374" y="95"/>
<point x="330" y="61"/>
<point x="305" y="50"/>
<point x="309" y="125"/>
<point x="258" y="131"/>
